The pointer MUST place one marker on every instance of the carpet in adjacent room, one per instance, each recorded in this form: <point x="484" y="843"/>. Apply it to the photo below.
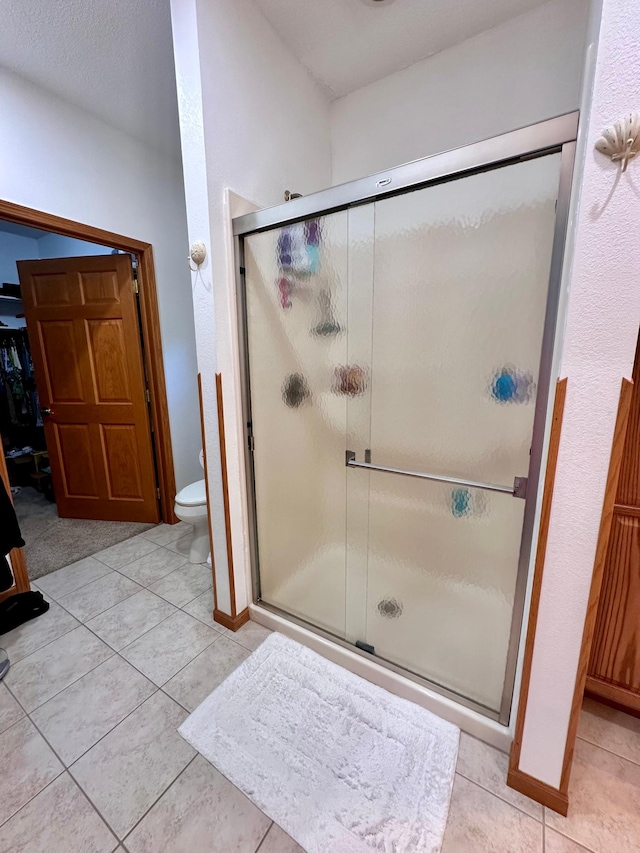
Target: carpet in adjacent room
<point x="52" y="542"/>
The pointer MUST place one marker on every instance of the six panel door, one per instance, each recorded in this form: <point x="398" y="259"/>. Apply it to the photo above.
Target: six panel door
<point x="83" y="328"/>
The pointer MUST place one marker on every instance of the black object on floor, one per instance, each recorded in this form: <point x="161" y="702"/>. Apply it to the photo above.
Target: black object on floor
<point x="20" y="608"/>
<point x="10" y="536"/>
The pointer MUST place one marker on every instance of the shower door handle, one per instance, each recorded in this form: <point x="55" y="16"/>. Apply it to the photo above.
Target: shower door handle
<point x="518" y="490"/>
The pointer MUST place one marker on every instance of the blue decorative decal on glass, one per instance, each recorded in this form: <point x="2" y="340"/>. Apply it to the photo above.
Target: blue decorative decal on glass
<point x="467" y="503"/>
<point x="510" y="385"/>
<point x="460" y="499"/>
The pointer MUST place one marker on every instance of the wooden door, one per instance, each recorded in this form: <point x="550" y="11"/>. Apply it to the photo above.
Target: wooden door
<point x="614" y="666"/>
<point x="85" y="341"/>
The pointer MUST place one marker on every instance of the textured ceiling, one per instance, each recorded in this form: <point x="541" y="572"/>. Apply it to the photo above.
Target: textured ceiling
<point x="113" y="58"/>
<point x="347" y="44"/>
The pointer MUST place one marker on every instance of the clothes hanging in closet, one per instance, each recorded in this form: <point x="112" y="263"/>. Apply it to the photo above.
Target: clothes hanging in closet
<point x="19" y="403"/>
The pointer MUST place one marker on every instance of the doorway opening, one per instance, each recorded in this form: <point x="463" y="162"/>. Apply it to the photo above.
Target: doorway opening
<point x="83" y="412"/>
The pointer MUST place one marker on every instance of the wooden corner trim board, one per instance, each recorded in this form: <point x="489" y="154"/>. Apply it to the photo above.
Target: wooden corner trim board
<point x="206" y="490"/>
<point x="558" y="799"/>
<point x="235" y="620"/>
<point x="611" y="488"/>
<point x="516" y="778"/>
<point x="554" y="799"/>
<point x="232" y="623"/>
<point x="152" y="350"/>
<point x="225" y="494"/>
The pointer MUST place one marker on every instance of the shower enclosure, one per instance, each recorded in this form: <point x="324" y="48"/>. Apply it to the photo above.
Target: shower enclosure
<point x="397" y="335"/>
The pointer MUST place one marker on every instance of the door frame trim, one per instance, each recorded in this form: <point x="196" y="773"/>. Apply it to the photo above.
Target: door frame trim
<point x="150" y="331"/>
<point x="557" y="135"/>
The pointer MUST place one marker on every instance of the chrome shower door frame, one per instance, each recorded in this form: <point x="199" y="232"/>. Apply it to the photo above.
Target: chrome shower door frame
<point x="557" y="135"/>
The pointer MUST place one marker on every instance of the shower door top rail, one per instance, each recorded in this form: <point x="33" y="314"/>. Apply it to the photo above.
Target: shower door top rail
<point x="523" y="143"/>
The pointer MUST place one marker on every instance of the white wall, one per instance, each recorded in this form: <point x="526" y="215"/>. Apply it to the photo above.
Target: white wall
<point x="523" y="71"/>
<point x="266" y="129"/>
<point x="600" y="341"/>
<point x="13" y="247"/>
<point x="57" y="158"/>
<point x="59" y="246"/>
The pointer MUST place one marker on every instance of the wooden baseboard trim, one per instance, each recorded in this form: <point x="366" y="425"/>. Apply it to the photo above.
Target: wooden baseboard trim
<point x="231" y="622"/>
<point x="620" y="697"/>
<point x="552" y="798"/>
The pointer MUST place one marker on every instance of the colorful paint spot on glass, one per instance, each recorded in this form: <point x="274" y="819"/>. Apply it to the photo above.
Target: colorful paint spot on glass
<point x="468" y="503"/>
<point x="510" y="385"/>
<point x="460" y="499"/>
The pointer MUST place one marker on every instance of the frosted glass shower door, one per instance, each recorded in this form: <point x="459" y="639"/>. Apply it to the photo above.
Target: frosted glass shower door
<point x="296" y="316"/>
<point x="460" y="276"/>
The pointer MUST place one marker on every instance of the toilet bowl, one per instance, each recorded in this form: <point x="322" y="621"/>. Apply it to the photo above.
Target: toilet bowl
<point x="191" y="507"/>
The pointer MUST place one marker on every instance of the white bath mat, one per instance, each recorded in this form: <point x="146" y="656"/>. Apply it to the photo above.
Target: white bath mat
<point x="340" y="764"/>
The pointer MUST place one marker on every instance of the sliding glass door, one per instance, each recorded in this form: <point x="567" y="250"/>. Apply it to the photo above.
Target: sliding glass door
<point x="393" y="351"/>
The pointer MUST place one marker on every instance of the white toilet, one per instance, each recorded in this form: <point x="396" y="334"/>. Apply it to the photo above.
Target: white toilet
<point x="191" y="507"/>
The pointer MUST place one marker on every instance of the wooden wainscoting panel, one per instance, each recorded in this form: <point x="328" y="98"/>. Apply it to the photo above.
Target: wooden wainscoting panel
<point x="610" y="492"/>
<point x="616" y="640"/>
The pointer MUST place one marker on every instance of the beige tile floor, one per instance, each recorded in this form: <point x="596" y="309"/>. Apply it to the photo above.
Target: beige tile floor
<point x="92" y="761"/>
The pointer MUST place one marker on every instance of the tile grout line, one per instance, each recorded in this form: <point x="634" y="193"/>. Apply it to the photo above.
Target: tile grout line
<point x="48" y="643"/>
<point x="82" y="586"/>
<point x="578" y="844"/>
<point x="170" y="785"/>
<point x="65" y="770"/>
<point x="118" y="653"/>
<point x="75" y="680"/>
<point x="81" y="622"/>
<point x="162" y="686"/>
<point x="95" y="615"/>
<point x="502" y="799"/>
<point x="102" y="737"/>
<point x="609" y="751"/>
<point x="76" y="781"/>
<point x="264" y="836"/>
<point x="94" y="807"/>
<point x="31" y="799"/>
